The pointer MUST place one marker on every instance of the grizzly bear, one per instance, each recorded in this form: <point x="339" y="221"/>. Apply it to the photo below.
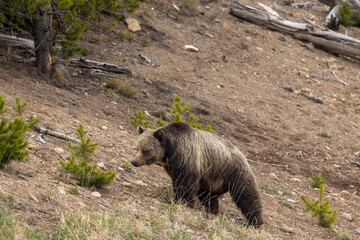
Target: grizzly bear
<point x="201" y="164"/>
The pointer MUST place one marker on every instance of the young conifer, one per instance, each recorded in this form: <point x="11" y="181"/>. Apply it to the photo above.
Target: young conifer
<point x="320" y="209"/>
<point x="78" y="165"/>
<point x="12" y="142"/>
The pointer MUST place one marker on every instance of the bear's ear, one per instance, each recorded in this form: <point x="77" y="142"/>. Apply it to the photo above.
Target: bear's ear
<point x="140" y="130"/>
<point x="160" y="135"/>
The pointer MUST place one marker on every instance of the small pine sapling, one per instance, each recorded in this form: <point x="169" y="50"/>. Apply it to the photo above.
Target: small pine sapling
<point x="318" y="180"/>
<point x="177" y="110"/>
<point x="345" y="14"/>
<point x="320" y="209"/>
<point x="87" y="175"/>
<point x="140" y="120"/>
<point x="85" y="149"/>
<point x="12" y="142"/>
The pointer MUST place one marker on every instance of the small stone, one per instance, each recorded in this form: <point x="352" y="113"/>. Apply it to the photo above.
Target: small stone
<point x="59" y="150"/>
<point x="337" y="166"/>
<point x="140" y="183"/>
<point x="33" y="145"/>
<point x="61" y="76"/>
<point x="291" y="200"/>
<point x="133" y="24"/>
<point x="222" y="85"/>
<point x="104" y="127"/>
<point x="101" y="165"/>
<point x="148" y="81"/>
<point x="286" y="228"/>
<point x="96" y="194"/>
<point x="345" y="192"/>
<point x="61" y="190"/>
<point x="357" y="230"/>
<point x="126" y="184"/>
<point x="347" y="216"/>
<point x="312" y="17"/>
<point x="295" y="179"/>
<point x="190" y="48"/>
<point x="273" y="175"/>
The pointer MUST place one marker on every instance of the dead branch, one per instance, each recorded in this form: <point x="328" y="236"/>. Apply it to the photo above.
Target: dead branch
<point x="326" y="39"/>
<point x="336" y="78"/>
<point x="355" y="163"/>
<point x="102" y="66"/>
<point x="193" y="41"/>
<point x="55" y="134"/>
<point x="13" y="41"/>
<point x="314" y="98"/>
<point x="268" y="164"/>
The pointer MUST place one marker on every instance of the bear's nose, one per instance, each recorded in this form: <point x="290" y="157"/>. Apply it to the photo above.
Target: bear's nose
<point x="133" y="162"/>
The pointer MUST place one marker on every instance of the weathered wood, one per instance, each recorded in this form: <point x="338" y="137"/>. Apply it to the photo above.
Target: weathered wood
<point x="103" y="66"/>
<point x="55" y="134"/>
<point x="13" y="41"/>
<point x="353" y="4"/>
<point x="326" y="39"/>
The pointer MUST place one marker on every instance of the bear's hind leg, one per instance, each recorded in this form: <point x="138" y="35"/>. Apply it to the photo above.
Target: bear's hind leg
<point x="247" y="198"/>
<point x="209" y="200"/>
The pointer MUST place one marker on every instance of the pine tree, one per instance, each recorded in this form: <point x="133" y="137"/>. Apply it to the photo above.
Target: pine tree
<point x="78" y="165"/>
<point x="12" y="142"/>
<point x="69" y="19"/>
<point x="320" y="209"/>
<point x="345" y="14"/>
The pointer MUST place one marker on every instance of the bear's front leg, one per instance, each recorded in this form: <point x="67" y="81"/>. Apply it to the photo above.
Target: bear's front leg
<point x="209" y="200"/>
<point x="185" y="185"/>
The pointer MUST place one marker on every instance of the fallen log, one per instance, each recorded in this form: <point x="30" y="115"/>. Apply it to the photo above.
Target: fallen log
<point x="325" y="39"/>
<point x="13" y="41"/>
<point x="55" y="134"/>
<point x="103" y="66"/>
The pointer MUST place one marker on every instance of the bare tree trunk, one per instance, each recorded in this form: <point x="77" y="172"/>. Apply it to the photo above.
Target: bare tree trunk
<point x="41" y="33"/>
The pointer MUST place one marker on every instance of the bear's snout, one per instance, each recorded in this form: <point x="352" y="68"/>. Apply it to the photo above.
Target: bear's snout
<point x="133" y="162"/>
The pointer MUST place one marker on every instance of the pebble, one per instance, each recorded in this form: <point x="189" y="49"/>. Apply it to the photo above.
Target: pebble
<point x="101" y="165"/>
<point x="104" y="127"/>
<point x="59" y="150"/>
<point x="126" y="184"/>
<point x="357" y="230"/>
<point x="148" y="81"/>
<point x="96" y="194"/>
<point x="347" y="216"/>
<point x="61" y="190"/>
<point x="140" y="183"/>
<point x="295" y="179"/>
<point x="286" y="228"/>
<point x="273" y="175"/>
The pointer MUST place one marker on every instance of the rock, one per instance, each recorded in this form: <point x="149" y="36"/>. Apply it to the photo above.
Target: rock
<point x="33" y="145"/>
<point x="133" y="24"/>
<point x="126" y="184"/>
<point x="104" y="127"/>
<point x="190" y="48"/>
<point x="140" y="183"/>
<point x="148" y="81"/>
<point x="101" y="165"/>
<point x="96" y="194"/>
<point x="61" y="76"/>
<point x="357" y="230"/>
<point x="286" y="228"/>
<point x="273" y="175"/>
<point x="347" y="216"/>
<point x="61" y="190"/>
<point x="59" y="150"/>
<point x="295" y="179"/>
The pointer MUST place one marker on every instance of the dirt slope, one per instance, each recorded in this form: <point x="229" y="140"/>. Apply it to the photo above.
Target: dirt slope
<point x="235" y="82"/>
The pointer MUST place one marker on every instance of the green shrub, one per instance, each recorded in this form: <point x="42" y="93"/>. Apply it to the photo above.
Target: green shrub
<point x="12" y="142"/>
<point x="177" y="111"/>
<point x="318" y="180"/>
<point x="345" y="14"/>
<point x="320" y="209"/>
<point x="87" y="175"/>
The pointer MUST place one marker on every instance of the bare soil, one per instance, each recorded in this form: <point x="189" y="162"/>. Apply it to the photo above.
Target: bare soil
<point x="238" y="82"/>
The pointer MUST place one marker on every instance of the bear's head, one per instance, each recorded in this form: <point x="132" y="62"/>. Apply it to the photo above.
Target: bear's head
<point x="149" y="147"/>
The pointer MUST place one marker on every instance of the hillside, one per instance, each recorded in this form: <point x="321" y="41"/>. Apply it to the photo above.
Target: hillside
<point x="245" y="81"/>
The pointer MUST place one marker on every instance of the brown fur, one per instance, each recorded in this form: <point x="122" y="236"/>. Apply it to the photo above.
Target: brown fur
<point x="201" y="164"/>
